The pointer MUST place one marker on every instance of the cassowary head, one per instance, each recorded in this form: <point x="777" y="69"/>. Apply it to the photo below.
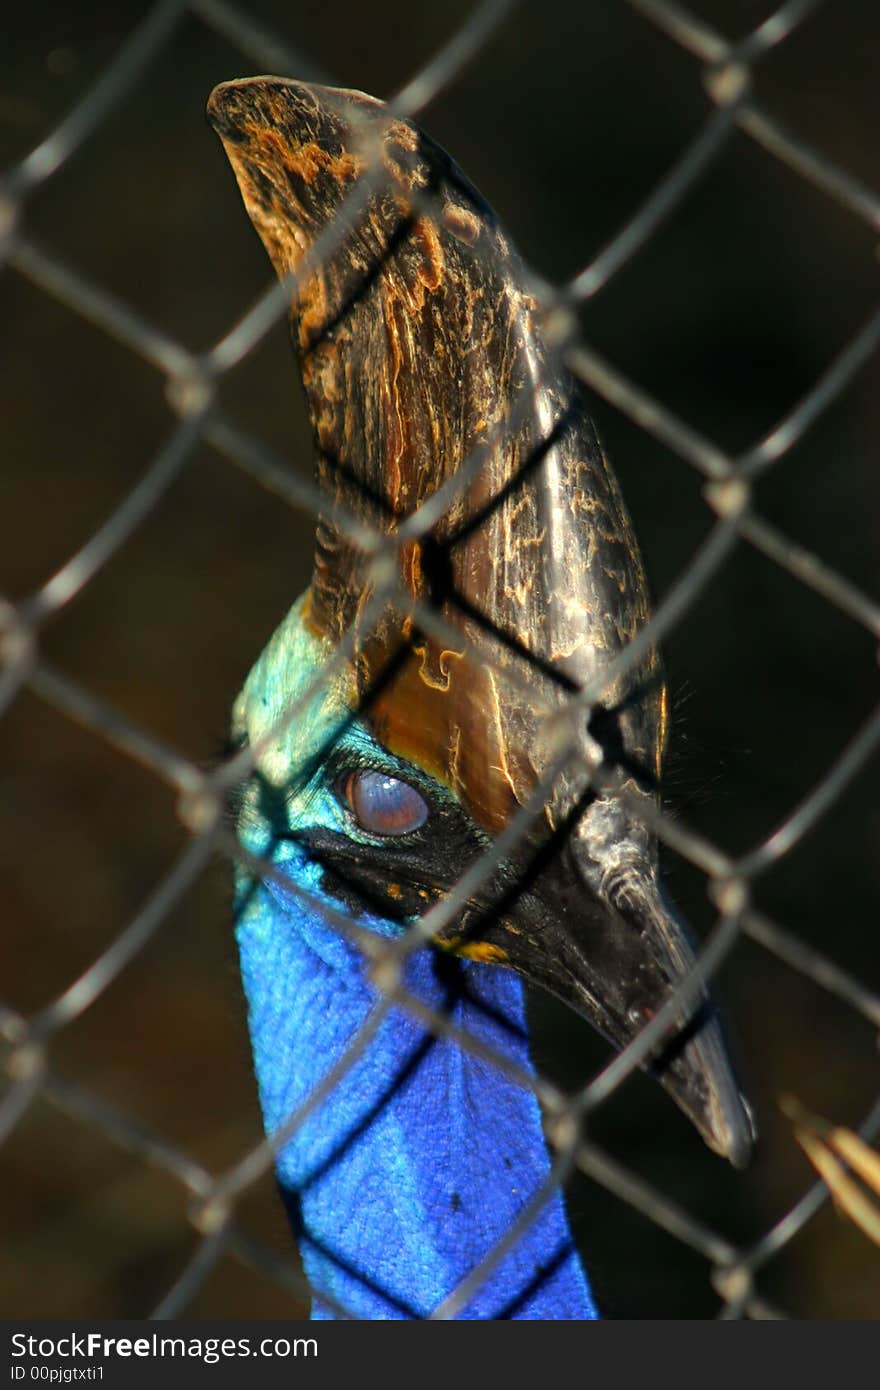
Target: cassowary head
<point x="456" y="703"/>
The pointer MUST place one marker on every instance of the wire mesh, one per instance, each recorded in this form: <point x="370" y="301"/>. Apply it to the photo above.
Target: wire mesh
<point x="35" y="1039"/>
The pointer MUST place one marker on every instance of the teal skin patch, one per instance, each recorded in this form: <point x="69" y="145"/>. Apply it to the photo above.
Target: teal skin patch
<point x="291" y="660"/>
<point x="292" y="760"/>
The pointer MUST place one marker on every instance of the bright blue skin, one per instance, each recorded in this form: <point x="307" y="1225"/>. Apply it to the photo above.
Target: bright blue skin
<point x="422" y="1156"/>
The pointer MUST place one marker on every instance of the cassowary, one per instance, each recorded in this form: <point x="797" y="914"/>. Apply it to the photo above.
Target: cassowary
<point x="452" y="707"/>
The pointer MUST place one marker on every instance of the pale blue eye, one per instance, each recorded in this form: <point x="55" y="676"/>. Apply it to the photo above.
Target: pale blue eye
<point x="384" y="805"/>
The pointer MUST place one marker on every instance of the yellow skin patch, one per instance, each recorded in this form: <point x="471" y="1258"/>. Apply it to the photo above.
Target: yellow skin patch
<point x="483" y="951"/>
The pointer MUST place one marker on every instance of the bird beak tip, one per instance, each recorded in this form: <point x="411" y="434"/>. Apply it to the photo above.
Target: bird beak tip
<point x="616" y="963"/>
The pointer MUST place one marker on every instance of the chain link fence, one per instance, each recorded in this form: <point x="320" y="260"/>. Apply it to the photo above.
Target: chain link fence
<point x="36" y="1039"/>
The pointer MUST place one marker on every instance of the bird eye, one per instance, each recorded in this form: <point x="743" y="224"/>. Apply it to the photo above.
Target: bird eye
<point x="384" y="805"/>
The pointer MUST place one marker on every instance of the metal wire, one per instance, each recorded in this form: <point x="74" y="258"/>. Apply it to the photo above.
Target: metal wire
<point x="727" y="69"/>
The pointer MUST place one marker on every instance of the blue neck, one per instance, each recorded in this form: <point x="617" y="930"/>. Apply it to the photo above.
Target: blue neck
<point x="422" y="1156"/>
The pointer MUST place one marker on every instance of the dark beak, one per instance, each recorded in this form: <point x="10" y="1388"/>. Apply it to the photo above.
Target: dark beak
<point x="615" y="956"/>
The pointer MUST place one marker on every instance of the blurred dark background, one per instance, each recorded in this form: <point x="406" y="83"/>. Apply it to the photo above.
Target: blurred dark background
<point x="566" y="121"/>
